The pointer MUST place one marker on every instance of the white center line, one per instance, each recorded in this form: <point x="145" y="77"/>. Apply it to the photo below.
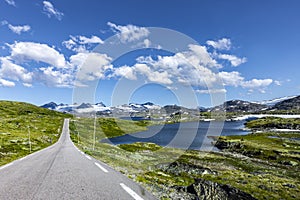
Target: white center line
<point x="131" y="192"/>
<point x="88" y="157"/>
<point x="7" y="165"/>
<point x="102" y="168"/>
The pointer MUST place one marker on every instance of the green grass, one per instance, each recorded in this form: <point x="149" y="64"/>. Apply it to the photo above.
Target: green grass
<point x="17" y="120"/>
<point x="274" y="122"/>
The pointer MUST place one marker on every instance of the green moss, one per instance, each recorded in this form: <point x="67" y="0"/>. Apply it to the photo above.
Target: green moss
<point x="140" y="146"/>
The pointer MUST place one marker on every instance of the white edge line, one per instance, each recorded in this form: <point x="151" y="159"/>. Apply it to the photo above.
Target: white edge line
<point x="102" y="168"/>
<point x="88" y="157"/>
<point x="7" y="165"/>
<point x="131" y="192"/>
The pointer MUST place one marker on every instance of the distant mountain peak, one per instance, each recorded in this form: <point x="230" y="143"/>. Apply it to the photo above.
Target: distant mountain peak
<point x="50" y="105"/>
<point x="272" y="102"/>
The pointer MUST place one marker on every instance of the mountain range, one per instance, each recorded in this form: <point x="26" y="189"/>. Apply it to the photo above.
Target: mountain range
<point x="146" y="109"/>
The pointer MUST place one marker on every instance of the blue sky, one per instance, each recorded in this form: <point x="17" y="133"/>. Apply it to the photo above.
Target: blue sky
<point x="46" y="50"/>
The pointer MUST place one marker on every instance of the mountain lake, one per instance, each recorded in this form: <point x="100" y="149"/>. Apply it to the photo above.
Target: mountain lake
<point x="184" y="135"/>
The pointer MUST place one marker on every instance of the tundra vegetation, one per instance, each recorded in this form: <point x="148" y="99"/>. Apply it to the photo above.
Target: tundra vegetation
<point x="262" y="165"/>
<point x="25" y="128"/>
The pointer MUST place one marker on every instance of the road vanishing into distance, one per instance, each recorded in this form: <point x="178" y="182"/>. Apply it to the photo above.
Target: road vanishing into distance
<point x="61" y="171"/>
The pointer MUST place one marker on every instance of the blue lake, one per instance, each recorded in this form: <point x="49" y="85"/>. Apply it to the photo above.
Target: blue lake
<point x="187" y="135"/>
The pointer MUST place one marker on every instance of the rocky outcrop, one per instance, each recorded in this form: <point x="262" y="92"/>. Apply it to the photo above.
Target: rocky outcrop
<point x="208" y="190"/>
<point x="289" y="104"/>
<point x="240" y="106"/>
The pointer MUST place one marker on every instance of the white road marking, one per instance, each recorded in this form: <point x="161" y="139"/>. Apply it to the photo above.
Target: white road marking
<point x="88" y="157"/>
<point x="102" y="168"/>
<point x="131" y="192"/>
<point x="7" y="165"/>
<point x="81" y="152"/>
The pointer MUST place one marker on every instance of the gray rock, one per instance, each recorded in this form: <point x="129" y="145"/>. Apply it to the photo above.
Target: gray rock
<point x="208" y="190"/>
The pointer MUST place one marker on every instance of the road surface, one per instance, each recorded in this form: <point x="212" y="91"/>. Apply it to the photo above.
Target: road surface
<point x="61" y="171"/>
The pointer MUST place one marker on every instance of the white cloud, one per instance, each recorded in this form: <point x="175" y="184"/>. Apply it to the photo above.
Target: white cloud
<point x="19" y="29"/>
<point x="49" y="10"/>
<point x="129" y="33"/>
<point x="23" y="51"/>
<point x="91" y="65"/>
<point x="92" y="40"/>
<point x="194" y="67"/>
<point x="6" y="83"/>
<point x="190" y="67"/>
<point x="222" y="44"/>
<point x="125" y="71"/>
<point x="4" y="22"/>
<point x="55" y="77"/>
<point x="278" y="83"/>
<point x="147" y="43"/>
<point x="257" y="83"/>
<point x="231" y="78"/>
<point x="234" y="60"/>
<point x="154" y="76"/>
<point x="27" y="84"/>
<point x="81" y="44"/>
<point x="11" y="2"/>
<point x="200" y="56"/>
<point x="14" y="72"/>
<point x="212" y="91"/>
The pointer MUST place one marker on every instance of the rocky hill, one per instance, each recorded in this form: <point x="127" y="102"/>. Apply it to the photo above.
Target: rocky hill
<point x="289" y="104"/>
<point x="240" y="106"/>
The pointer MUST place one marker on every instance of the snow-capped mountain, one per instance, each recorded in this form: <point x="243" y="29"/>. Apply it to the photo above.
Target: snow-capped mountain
<point x="274" y="101"/>
<point x="101" y="109"/>
<point x="75" y="108"/>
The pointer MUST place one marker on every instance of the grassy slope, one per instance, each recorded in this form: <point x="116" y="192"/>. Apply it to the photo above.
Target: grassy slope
<point x="15" y="120"/>
<point x="162" y="170"/>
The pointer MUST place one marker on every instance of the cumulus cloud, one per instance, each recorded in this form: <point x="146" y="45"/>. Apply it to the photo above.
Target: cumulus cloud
<point x="19" y="29"/>
<point x="129" y="33"/>
<point x="194" y="67"/>
<point x="55" y="77"/>
<point x="22" y="51"/>
<point x="234" y="60"/>
<point x="257" y="83"/>
<point x="12" y="71"/>
<point x="231" y="78"/>
<point x="222" y="44"/>
<point x="81" y="44"/>
<point x="153" y="76"/>
<point x="126" y="71"/>
<point x="91" y="65"/>
<point x="50" y="11"/>
<point x="11" y="2"/>
<point x="6" y="83"/>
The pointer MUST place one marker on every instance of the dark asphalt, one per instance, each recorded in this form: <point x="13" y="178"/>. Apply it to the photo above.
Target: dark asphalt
<point x="61" y="171"/>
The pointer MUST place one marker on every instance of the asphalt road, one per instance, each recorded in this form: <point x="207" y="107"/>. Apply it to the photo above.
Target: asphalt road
<point x="61" y="171"/>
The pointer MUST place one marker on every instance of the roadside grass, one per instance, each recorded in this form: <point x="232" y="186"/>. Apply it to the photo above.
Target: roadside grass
<point x="164" y="170"/>
<point x="18" y="121"/>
